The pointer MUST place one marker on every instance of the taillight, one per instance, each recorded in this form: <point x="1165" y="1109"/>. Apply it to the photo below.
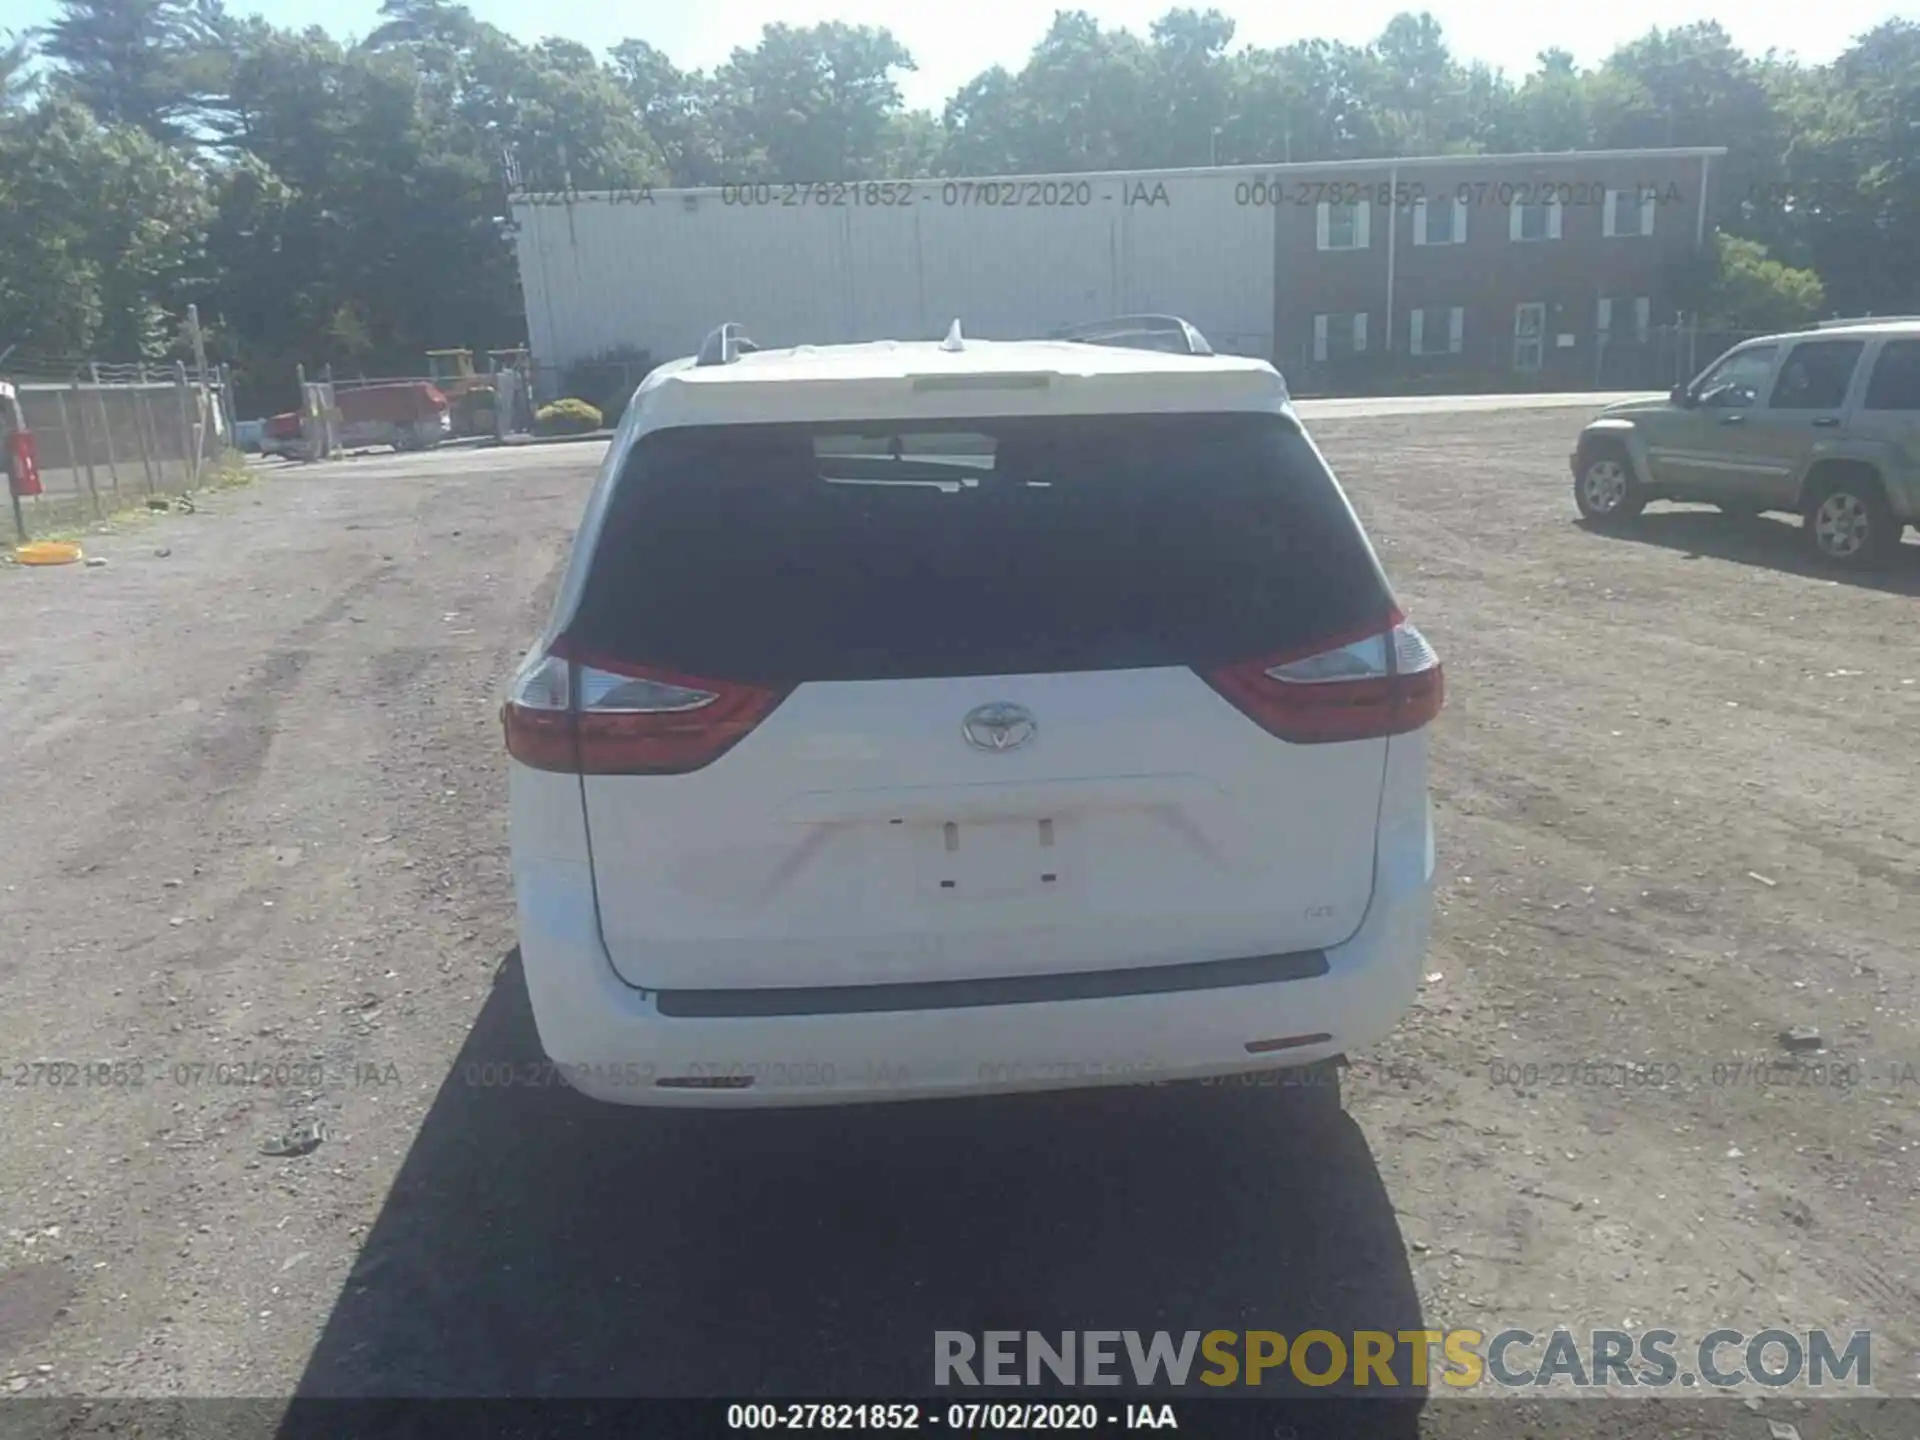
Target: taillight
<point x="538" y="717"/>
<point x="598" y="717"/>
<point x="1384" y="681"/>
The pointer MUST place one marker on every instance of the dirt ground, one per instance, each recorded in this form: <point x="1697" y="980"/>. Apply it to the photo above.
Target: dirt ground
<point x="253" y="810"/>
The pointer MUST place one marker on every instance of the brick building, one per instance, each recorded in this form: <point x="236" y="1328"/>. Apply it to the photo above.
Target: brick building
<point x="1560" y="271"/>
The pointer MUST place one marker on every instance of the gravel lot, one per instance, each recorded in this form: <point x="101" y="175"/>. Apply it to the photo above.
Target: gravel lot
<point x="254" y="812"/>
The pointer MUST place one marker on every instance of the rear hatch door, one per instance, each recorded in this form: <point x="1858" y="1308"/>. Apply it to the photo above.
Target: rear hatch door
<point x="997" y="754"/>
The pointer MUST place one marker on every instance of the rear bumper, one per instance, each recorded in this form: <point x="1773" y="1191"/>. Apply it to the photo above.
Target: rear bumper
<point x="611" y="1042"/>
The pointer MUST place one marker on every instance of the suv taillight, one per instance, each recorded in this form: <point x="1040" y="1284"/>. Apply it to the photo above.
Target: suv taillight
<point x="585" y="716"/>
<point x="1384" y="681"/>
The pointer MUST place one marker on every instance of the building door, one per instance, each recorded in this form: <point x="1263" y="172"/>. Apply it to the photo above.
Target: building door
<point x="1529" y="335"/>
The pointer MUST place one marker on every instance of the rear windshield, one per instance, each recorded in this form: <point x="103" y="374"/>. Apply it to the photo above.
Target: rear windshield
<point x="783" y="554"/>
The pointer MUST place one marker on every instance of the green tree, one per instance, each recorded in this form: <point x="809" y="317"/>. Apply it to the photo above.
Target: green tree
<point x="677" y="109"/>
<point x="17" y="81"/>
<point x="983" y="124"/>
<point x="100" y="228"/>
<point x="1416" y="88"/>
<point x="1850" y="199"/>
<point x="268" y="292"/>
<point x="1750" y="291"/>
<point x="560" y="113"/>
<point x="1192" y="85"/>
<point x="912" y="145"/>
<point x="1692" y="86"/>
<point x="375" y="197"/>
<point x="563" y="117"/>
<point x="815" y="101"/>
<point x="1551" y="110"/>
<point x="130" y="61"/>
<point x="1311" y="100"/>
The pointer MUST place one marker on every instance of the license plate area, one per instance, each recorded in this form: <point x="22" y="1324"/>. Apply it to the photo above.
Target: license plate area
<point x="993" y="859"/>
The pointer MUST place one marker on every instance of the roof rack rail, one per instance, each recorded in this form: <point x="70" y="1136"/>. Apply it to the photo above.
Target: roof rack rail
<point x="725" y="345"/>
<point x="1167" y="333"/>
<point x="1865" y="320"/>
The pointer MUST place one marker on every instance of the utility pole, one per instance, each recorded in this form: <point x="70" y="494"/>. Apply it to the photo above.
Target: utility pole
<point x="202" y="396"/>
<point x="199" y="345"/>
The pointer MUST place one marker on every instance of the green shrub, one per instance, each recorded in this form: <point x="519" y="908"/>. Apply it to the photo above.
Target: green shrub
<point x="567" y="417"/>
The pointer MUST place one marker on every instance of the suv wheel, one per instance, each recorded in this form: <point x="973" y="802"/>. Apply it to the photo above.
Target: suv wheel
<point x="1606" y="490"/>
<point x="1848" y="523"/>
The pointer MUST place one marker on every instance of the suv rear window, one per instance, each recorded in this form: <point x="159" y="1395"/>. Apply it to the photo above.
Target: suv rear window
<point x="1896" y="377"/>
<point x="783" y="554"/>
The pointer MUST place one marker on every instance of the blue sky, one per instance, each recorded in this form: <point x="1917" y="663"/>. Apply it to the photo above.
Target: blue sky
<point x="953" y="40"/>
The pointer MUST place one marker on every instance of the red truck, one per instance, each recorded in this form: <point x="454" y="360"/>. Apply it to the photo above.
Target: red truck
<point x="406" y="414"/>
<point x="282" y="436"/>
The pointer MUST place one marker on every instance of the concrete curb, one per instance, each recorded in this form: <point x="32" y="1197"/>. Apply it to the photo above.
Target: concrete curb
<point x="553" y="439"/>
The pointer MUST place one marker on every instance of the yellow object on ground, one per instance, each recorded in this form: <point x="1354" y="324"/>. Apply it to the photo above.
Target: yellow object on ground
<point x="47" y="552"/>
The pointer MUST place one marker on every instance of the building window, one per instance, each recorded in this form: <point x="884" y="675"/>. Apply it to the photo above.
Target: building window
<point x="1341" y="227"/>
<point x="1529" y="332"/>
<point x="1441" y="220"/>
<point x="1613" y="322"/>
<point x="1534" y="222"/>
<point x="1436" y="330"/>
<point x="1338" y="335"/>
<point x="1629" y="212"/>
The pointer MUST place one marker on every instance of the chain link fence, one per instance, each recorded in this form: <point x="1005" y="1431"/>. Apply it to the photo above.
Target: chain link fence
<point x="1538" y="361"/>
<point x="606" y="382"/>
<point x="1624" y="359"/>
<point x="119" y="436"/>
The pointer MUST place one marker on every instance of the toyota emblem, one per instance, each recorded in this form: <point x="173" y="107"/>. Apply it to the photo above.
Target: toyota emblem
<point x="999" y="726"/>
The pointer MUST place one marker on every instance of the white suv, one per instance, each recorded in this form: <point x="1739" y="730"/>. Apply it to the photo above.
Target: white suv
<point x="942" y="718"/>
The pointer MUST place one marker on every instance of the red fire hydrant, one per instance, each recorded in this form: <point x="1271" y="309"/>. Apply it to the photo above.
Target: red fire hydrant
<point x="23" y="464"/>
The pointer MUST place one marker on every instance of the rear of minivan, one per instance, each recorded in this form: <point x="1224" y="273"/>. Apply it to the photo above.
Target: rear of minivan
<point x="870" y="759"/>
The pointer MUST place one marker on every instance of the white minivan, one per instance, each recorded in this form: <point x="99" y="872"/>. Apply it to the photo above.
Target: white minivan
<point x="922" y="719"/>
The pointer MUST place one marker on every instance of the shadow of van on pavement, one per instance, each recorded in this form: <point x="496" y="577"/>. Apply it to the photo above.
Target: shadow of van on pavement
<point x="538" y="1244"/>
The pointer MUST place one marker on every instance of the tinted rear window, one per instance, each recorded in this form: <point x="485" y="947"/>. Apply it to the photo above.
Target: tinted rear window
<point x="1896" y="377"/>
<point x="784" y="554"/>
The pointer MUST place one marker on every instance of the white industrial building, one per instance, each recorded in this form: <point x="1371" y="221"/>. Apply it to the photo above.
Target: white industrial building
<point x="604" y="269"/>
